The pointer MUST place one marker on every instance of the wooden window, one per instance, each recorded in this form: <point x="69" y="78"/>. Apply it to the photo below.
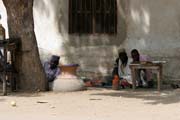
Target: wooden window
<point x="92" y="16"/>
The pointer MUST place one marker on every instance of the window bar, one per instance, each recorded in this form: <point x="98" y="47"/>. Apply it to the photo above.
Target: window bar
<point x="115" y="16"/>
<point x="93" y="15"/>
<point x="70" y="16"/>
<point x="105" y="26"/>
<point x="85" y="16"/>
<point x="85" y="5"/>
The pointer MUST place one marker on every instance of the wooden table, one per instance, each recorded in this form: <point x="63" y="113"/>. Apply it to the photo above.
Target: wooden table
<point x="153" y="66"/>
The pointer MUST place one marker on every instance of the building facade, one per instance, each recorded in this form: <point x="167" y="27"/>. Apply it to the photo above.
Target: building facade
<point x="90" y="32"/>
<point x="151" y="27"/>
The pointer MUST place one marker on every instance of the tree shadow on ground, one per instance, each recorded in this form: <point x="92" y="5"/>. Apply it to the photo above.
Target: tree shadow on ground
<point x="150" y="96"/>
<point x="24" y="94"/>
<point x="2" y="100"/>
<point x="19" y="93"/>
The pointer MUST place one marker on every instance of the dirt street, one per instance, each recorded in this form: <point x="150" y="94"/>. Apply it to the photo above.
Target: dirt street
<point x="93" y="104"/>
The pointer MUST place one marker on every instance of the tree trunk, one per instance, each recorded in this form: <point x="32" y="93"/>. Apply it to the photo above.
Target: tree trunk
<point x="31" y="75"/>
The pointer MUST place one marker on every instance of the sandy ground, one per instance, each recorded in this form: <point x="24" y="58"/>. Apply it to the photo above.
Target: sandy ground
<point x="93" y="104"/>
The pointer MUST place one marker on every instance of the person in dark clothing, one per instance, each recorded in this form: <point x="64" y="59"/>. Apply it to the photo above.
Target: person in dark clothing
<point x="51" y="69"/>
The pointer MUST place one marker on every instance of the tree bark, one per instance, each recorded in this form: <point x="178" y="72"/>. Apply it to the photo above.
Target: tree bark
<point x="31" y="75"/>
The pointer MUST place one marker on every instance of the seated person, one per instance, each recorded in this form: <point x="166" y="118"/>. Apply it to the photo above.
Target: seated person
<point x="144" y="76"/>
<point x="51" y="69"/>
<point x="122" y="69"/>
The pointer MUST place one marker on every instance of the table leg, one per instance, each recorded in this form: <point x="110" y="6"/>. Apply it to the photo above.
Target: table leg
<point x="4" y="73"/>
<point x="4" y="84"/>
<point x="158" y="79"/>
<point x="133" y="74"/>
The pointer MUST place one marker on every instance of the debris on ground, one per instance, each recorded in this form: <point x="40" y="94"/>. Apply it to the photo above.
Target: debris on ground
<point x="42" y="102"/>
<point x="94" y="83"/>
<point x="13" y="103"/>
<point x="95" y="99"/>
<point x="52" y="106"/>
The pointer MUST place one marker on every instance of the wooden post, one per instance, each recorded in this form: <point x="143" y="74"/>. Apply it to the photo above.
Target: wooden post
<point x="4" y="72"/>
<point x="158" y="80"/>
<point x="160" y="77"/>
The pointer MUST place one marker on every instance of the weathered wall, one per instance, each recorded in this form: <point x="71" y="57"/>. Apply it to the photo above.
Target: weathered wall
<point x="94" y="53"/>
<point x="154" y="29"/>
<point x="151" y="26"/>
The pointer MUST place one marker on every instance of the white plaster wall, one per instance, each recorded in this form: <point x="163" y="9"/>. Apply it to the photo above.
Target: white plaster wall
<point x="154" y="29"/>
<point x="94" y="53"/>
<point x="48" y="37"/>
<point x="154" y="25"/>
<point x="3" y="20"/>
<point x="150" y="26"/>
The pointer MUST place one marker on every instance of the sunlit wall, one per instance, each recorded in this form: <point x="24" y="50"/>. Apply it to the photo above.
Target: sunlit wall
<point x="4" y="17"/>
<point x="46" y="28"/>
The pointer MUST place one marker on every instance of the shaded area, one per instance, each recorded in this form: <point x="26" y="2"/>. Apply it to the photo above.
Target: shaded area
<point x="2" y="100"/>
<point x="18" y="94"/>
<point x="24" y="94"/>
<point x="95" y="53"/>
<point x="149" y="96"/>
